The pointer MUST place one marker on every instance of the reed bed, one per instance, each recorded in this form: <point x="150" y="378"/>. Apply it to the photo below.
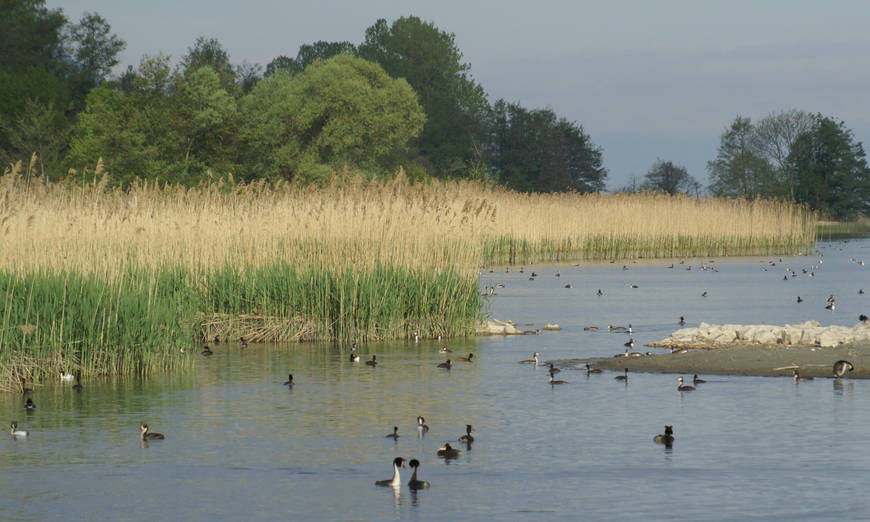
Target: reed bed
<point x="120" y="281"/>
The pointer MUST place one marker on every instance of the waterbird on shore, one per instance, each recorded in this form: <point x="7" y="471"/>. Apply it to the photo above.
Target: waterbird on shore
<point x="666" y="438"/>
<point x="446" y="364"/>
<point x="447" y="452"/>
<point x="16" y="432"/>
<point x="395" y="434"/>
<point x="414" y="483"/>
<point x="590" y="370"/>
<point x="29" y="404"/>
<point x="206" y="351"/>
<point x="372" y="362"/>
<point x="465" y="359"/>
<point x="841" y="367"/>
<point x="396" y="480"/>
<point x="622" y="377"/>
<point x="145" y="435"/>
<point x="467" y="437"/>
<point x="797" y="376"/>
<point x="681" y="387"/>
<point x="289" y="382"/>
<point x="421" y="424"/>
<point x="533" y="360"/>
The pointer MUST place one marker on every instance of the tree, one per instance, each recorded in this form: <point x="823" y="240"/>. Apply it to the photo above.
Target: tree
<point x="830" y="170"/>
<point x="774" y="136"/>
<point x="343" y="110"/>
<point x="42" y="130"/>
<point x="664" y="176"/>
<point x="534" y="151"/>
<point x="209" y="52"/>
<point x="454" y="103"/>
<point x="739" y="170"/>
<point x="93" y="48"/>
<point x="307" y="54"/>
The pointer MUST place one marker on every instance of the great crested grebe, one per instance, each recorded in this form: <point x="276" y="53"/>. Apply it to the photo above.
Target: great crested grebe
<point x="533" y="360"/>
<point x="622" y="377"/>
<point x="797" y="376"/>
<point x="29" y="404"/>
<point x="696" y="380"/>
<point x="354" y="357"/>
<point x="447" y="452"/>
<point x="144" y="435"/>
<point x="841" y="367"/>
<point x="681" y="387"/>
<point x="414" y="483"/>
<point x="421" y="424"/>
<point x="554" y="381"/>
<point x="78" y="385"/>
<point x="289" y="382"/>
<point x="16" y="432"/>
<point x="467" y="437"/>
<point x="590" y="370"/>
<point x="446" y="364"/>
<point x="373" y="362"/>
<point x="666" y="438"/>
<point x="395" y="434"/>
<point x="396" y="481"/>
<point x="465" y="359"/>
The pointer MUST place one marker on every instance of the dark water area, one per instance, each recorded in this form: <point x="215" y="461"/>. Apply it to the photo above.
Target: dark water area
<point x="239" y="445"/>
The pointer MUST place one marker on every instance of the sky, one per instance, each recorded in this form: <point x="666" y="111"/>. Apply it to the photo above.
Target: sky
<point x="647" y="80"/>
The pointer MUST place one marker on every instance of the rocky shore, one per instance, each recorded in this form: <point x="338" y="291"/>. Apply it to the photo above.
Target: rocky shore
<point x="810" y="333"/>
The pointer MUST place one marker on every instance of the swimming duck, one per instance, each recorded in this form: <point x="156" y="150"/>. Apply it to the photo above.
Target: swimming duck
<point x="66" y="376"/>
<point x="632" y="285"/>
<point x="554" y="382"/>
<point x="590" y="328"/>
<point x="396" y="481"/>
<point x="590" y="369"/>
<point x="622" y="377"/>
<point x="373" y="362"/>
<point x="446" y="364"/>
<point x="421" y="424"/>
<point x="841" y="366"/>
<point x="797" y="376"/>
<point x="445" y="349"/>
<point x="206" y="351"/>
<point x="666" y="438"/>
<point x="696" y="380"/>
<point x="414" y="483"/>
<point x="467" y="437"/>
<point x="447" y="452"/>
<point x="354" y="357"/>
<point x="29" y="404"/>
<point x="615" y="328"/>
<point x="533" y="360"/>
<point x="78" y="385"/>
<point x="16" y="432"/>
<point x="683" y="388"/>
<point x="144" y="435"/>
<point x="465" y="359"/>
<point x="395" y="434"/>
<point x="289" y="383"/>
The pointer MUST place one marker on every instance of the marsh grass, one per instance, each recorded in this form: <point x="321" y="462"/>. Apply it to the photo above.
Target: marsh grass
<point x="114" y="281"/>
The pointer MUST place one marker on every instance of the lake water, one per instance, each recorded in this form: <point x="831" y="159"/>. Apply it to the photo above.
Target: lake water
<point x="241" y="446"/>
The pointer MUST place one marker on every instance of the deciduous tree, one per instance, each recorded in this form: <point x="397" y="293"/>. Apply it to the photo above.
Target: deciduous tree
<point x="667" y="177"/>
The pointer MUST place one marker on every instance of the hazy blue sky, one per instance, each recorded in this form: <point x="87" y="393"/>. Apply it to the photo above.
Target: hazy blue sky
<point x="646" y="79"/>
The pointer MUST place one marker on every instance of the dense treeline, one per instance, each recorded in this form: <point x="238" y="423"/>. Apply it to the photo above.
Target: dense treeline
<point x="403" y="97"/>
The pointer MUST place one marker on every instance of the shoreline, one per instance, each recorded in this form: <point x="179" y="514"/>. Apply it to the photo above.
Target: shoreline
<point x="769" y="361"/>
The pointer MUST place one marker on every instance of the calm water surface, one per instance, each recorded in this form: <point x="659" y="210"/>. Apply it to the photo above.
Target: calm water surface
<point x="240" y="446"/>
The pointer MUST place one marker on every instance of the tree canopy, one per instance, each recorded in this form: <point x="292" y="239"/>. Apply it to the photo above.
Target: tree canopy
<point x="665" y="176"/>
